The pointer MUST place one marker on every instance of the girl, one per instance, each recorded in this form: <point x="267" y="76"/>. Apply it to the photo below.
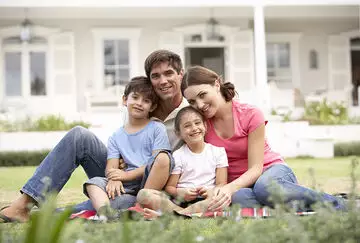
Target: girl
<point x="240" y="129"/>
<point x="200" y="169"/>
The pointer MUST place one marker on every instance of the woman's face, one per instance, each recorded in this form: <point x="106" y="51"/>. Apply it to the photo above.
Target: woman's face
<point x="204" y="97"/>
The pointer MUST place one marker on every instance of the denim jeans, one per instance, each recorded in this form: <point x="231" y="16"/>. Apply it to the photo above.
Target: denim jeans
<point x="279" y="178"/>
<point x="78" y="147"/>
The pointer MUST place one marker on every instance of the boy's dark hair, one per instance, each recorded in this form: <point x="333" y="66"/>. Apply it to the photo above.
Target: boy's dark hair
<point x="161" y="56"/>
<point x="182" y="112"/>
<point x="142" y="85"/>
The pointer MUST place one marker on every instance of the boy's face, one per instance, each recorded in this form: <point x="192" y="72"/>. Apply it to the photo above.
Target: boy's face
<point x="192" y="128"/>
<point x="138" y="105"/>
<point x="166" y="81"/>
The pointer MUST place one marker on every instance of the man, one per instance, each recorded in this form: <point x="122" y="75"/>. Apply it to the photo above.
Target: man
<point x="81" y="147"/>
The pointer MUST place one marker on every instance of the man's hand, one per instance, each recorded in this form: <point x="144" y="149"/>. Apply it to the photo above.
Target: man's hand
<point x="116" y="175"/>
<point x="187" y="194"/>
<point x="114" y="188"/>
<point x="122" y="165"/>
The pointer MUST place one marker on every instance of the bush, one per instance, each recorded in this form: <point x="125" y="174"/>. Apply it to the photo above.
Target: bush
<point x="347" y="149"/>
<point x="326" y="113"/>
<point x="22" y="158"/>
<point x="44" y="123"/>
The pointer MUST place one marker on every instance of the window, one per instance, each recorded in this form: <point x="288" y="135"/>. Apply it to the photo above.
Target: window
<point x="116" y="57"/>
<point x="25" y="67"/>
<point x="116" y="62"/>
<point x="313" y="59"/>
<point x="278" y="63"/>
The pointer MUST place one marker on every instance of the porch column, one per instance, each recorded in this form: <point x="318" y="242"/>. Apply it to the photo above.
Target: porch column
<point x="262" y="92"/>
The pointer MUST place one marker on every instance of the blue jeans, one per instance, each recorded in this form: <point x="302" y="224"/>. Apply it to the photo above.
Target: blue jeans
<point x="78" y="147"/>
<point x="281" y="178"/>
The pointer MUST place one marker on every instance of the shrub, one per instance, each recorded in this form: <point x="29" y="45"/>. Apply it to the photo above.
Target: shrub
<point x="347" y="149"/>
<point x="22" y="158"/>
<point x="44" y="123"/>
<point x="326" y="113"/>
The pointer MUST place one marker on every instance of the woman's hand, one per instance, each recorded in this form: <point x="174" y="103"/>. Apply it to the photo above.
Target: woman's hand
<point x="187" y="194"/>
<point x="221" y="198"/>
<point x="114" y="188"/>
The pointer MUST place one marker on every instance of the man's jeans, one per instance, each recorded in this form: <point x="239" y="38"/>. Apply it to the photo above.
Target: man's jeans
<point x="78" y="147"/>
<point x="278" y="183"/>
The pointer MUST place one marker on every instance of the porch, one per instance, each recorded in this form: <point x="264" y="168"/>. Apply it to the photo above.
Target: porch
<point x="278" y="56"/>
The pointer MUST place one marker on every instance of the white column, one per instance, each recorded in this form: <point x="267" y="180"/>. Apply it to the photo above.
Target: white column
<point x="262" y="92"/>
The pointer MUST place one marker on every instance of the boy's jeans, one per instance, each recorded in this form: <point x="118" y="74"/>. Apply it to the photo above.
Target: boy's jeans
<point x="78" y="147"/>
<point x="281" y="179"/>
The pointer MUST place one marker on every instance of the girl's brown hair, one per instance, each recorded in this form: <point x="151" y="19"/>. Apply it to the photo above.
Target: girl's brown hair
<point x="198" y="75"/>
<point x="182" y="112"/>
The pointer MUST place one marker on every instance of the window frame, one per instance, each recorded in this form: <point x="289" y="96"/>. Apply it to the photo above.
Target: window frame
<point x="25" y="49"/>
<point x="293" y="39"/>
<point x="102" y="34"/>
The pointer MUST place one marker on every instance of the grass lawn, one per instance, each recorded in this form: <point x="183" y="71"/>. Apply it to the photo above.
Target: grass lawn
<point x="331" y="175"/>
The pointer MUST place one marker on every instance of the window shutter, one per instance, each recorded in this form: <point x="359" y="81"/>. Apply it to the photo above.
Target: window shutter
<point x="339" y="62"/>
<point x="172" y="41"/>
<point x="62" y="64"/>
<point x="241" y="64"/>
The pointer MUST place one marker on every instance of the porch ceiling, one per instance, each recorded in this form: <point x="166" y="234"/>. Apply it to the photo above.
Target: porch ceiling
<point x="271" y="12"/>
<point x="167" y="3"/>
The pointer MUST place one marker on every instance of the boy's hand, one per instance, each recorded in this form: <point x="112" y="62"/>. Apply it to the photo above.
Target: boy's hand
<point x="116" y="175"/>
<point x="114" y="188"/>
<point x="187" y="194"/>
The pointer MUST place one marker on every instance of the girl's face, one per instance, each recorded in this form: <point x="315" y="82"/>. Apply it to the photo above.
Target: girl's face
<point x="205" y="98"/>
<point x="192" y="128"/>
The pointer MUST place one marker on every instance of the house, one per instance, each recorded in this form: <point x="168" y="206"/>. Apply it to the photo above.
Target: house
<point x="75" y="56"/>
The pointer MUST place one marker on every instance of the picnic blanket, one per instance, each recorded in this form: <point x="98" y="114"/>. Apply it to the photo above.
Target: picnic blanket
<point x="241" y="213"/>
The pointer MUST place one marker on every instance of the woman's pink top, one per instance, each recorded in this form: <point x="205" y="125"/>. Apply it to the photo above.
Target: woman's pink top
<point x="246" y="119"/>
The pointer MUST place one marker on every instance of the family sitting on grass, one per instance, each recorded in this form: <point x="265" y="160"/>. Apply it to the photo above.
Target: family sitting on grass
<point x="225" y="159"/>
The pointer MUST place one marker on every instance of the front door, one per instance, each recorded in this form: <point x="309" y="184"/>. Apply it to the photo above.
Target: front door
<point x="209" y="57"/>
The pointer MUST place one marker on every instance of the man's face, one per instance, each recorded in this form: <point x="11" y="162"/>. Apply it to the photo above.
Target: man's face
<point x="166" y="81"/>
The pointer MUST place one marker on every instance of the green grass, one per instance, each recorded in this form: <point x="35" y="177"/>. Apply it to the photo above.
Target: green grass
<point x="284" y="227"/>
<point x="332" y="175"/>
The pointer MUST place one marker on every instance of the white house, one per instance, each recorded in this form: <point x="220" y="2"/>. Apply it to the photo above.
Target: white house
<point x="81" y="53"/>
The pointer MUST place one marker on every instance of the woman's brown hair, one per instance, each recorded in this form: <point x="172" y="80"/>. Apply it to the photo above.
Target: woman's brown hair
<point x="198" y="75"/>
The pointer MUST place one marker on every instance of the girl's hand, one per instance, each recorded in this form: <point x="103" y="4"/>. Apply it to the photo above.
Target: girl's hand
<point x="221" y="198"/>
<point x="205" y="192"/>
<point x="187" y="194"/>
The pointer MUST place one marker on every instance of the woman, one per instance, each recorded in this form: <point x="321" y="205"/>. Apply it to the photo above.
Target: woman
<point x="254" y="169"/>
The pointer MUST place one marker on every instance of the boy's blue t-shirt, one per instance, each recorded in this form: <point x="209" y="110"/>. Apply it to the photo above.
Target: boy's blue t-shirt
<point x="136" y="148"/>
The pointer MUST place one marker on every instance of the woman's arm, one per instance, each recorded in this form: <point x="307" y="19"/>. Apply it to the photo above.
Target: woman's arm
<point x="256" y="146"/>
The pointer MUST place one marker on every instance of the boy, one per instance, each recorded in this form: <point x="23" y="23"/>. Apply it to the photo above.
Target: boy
<point x="138" y="142"/>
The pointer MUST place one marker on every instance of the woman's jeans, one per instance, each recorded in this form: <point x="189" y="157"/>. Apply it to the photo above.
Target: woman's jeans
<point x="278" y="184"/>
<point x="78" y="147"/>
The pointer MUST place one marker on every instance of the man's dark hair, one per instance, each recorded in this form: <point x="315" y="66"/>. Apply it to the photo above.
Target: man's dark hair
<point x="163" y="56"/>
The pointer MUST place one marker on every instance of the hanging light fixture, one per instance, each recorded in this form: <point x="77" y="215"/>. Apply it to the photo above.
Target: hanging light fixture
<point x="25" y="31"/>
<point x="212" y="25"/>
